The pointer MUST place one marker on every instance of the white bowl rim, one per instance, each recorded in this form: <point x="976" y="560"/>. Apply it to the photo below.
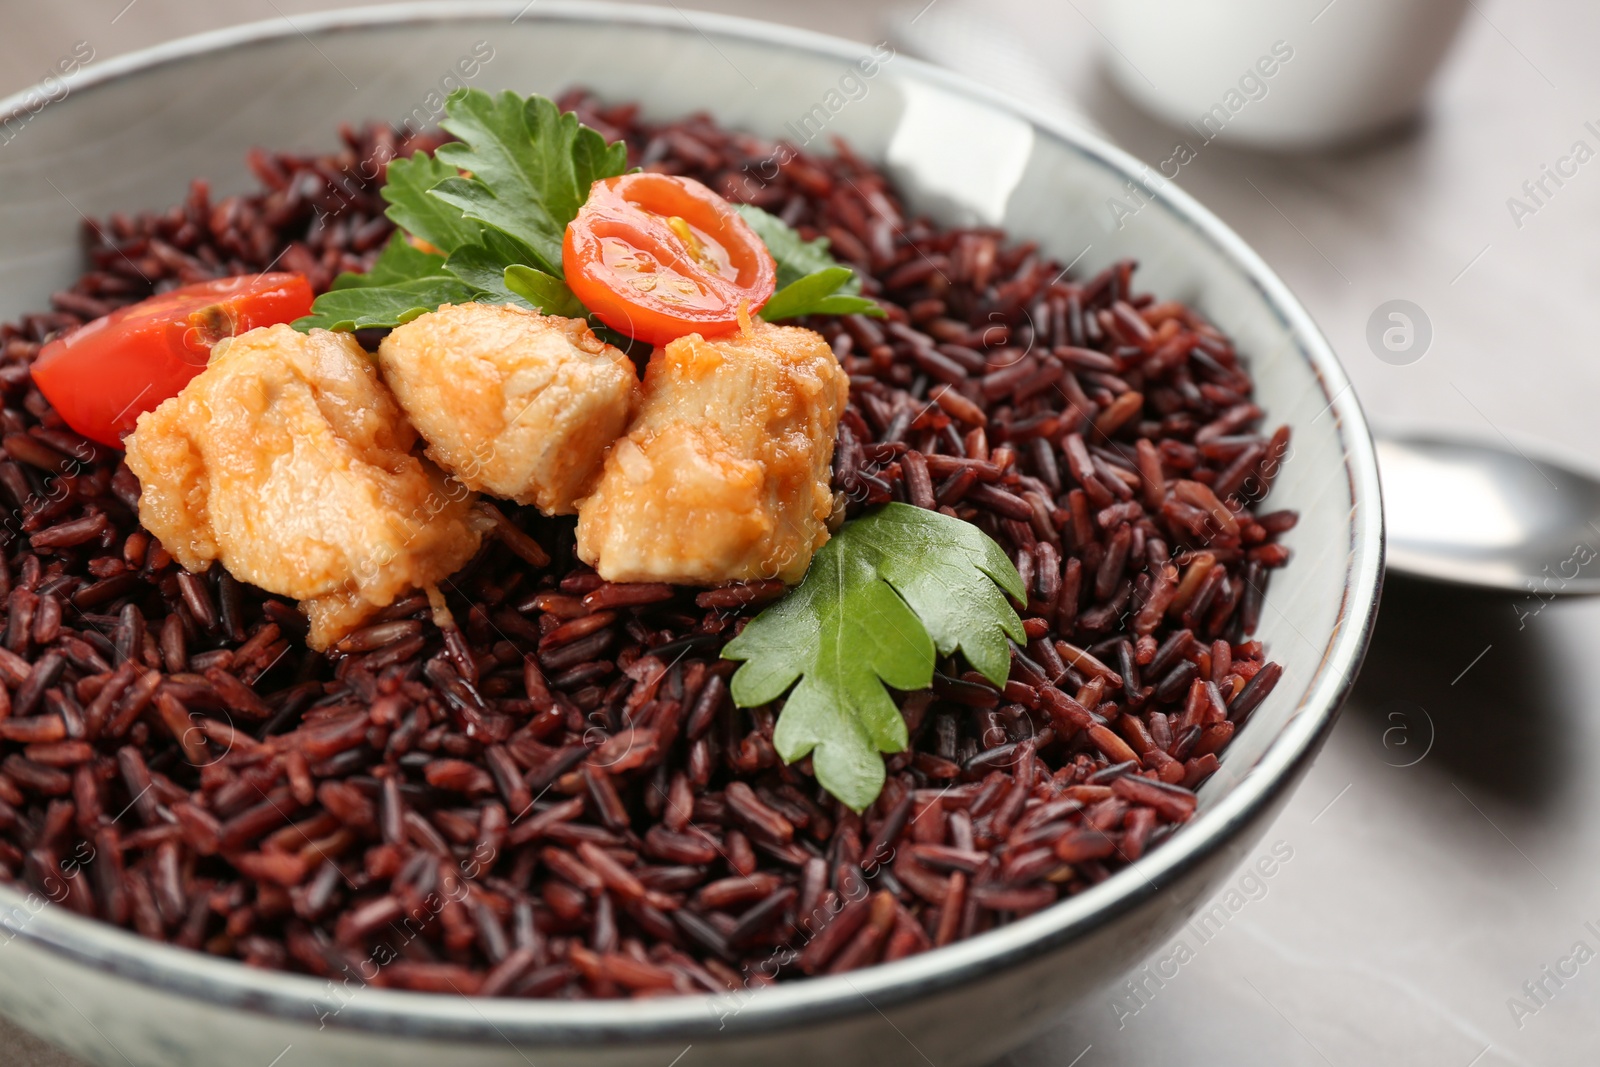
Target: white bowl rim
<point x="427" y="1016"/>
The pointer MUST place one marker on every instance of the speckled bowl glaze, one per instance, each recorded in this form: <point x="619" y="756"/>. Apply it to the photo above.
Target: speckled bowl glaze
<point x="129" y="133"/>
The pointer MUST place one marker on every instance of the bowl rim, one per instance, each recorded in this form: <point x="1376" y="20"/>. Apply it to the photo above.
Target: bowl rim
<point x="296" y="997"/>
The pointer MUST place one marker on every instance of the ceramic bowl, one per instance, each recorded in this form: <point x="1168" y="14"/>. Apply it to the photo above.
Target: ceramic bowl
<point x="130" y="133"/>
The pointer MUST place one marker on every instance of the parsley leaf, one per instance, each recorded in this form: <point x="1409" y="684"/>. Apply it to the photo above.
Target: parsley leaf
<point x="360" y="307"/>
<point x="542" y="291"/>
<point x="810" y="282"/>
<point x="406" y="188"/>
<point x="400" y="261"/>
<point x="794" y="256"/>
<point x="531" y="164"/>
<point x="808" y="296"/>
<point x="882" y="596"/>
<point x="500" y="230"/>
<point x="493" y="209"/>
<point x="812" y="294"/>
<point x="483" y="264"/>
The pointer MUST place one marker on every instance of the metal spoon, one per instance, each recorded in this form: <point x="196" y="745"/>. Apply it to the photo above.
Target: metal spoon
<point x="1473" y="513"/>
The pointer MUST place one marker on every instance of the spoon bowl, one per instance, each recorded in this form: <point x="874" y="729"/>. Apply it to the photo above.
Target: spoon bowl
<point x="1494" y="515"/>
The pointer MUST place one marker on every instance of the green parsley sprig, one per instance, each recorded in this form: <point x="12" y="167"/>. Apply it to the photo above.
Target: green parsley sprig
<point x="496" y="203"/>
<point x="809" y="281"/>
<point x="886" y="593"/>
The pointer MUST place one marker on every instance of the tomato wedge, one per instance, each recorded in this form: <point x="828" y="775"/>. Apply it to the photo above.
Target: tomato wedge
<point x="102" y="377"/>
<point x="656" y="256"/>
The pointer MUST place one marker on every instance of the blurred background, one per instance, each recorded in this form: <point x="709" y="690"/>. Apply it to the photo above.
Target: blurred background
<point x="1433" y="160"/>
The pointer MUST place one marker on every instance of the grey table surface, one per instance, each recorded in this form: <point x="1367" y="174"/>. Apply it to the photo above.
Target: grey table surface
<point x="1441" y="903"/>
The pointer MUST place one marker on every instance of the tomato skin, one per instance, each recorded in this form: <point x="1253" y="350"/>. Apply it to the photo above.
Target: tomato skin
<point x="103" y="376"/>
<point x="658" y="256"/>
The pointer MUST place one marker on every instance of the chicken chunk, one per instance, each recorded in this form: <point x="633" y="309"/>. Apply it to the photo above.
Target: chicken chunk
<point x="724" y="473"/>
<point x="287" y="460"/>
<point x="514" y="403"/>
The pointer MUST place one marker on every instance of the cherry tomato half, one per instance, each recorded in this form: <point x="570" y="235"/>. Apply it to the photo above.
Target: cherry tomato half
<point x="102" y="377"/>
<point x="656" y="256"/>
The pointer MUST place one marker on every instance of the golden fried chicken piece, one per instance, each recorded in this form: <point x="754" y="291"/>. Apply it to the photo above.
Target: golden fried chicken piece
<point x="288" y="461"/>
<point x="724" y="473"/>
<point x="512" y="402"/>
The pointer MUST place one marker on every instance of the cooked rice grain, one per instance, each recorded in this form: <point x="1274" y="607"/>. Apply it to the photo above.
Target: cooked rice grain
<point x="556" y="797"/>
